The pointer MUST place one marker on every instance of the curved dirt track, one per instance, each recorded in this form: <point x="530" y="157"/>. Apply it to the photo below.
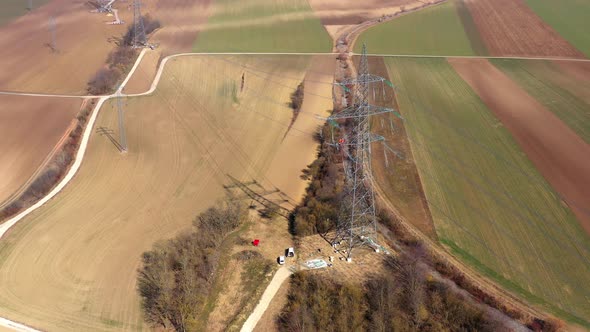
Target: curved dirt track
<point x="153" y="88"/>
<point x="119" y="204"/>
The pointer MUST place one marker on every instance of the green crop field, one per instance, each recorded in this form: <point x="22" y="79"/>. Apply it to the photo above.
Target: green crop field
<point x="568" y="17"/>
<point x="432" y="31"/>
<point x="490" y="206"/>
<point x="11" y="9"/>
<point x="553" y="89"/>
<point x="263" y="26"/>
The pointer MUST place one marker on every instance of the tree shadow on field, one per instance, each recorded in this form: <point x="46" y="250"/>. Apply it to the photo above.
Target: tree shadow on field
<point x="104" y="131"/>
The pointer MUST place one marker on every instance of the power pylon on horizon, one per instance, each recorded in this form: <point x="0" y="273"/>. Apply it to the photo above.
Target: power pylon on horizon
<point x="357" y="222"/>
<point x="139" y="37"/>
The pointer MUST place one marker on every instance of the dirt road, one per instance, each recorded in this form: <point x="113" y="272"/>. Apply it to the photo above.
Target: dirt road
<point x="282" y="274"/>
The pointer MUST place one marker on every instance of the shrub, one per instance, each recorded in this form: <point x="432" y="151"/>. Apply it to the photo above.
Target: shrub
<point x="319" y="211"/>
<point x="121" y="58"/>
<point x="176" y="275"/>
<point x="149" y="24"/>
<point x="104" y="81"/>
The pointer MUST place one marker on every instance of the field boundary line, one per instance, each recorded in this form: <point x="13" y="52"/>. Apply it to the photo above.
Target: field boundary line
<point x="545" y="58"/>
<point x="417" y="56"/>
<point x="477" y="279"/>
<point x="4" y="227"/>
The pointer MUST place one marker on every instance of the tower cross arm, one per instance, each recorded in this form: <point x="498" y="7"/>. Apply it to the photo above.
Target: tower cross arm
<point x="353" y="112"/>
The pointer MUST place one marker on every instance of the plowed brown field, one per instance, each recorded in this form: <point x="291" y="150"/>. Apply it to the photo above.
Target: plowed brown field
<point x="340" y="12"/>
<point x="30" y="128"/>
<point x="560" y="155"/>
<point x="82" y="39"/>
<point x="181" y="22"/>
<point x="511" y="28"/>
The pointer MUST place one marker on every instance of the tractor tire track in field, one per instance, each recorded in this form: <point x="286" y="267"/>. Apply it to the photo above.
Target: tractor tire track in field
<point x="347" y="40"/>
<point x="79" y="156"/>
<point x="510" y="27"/>
<point x="559" y="154"/>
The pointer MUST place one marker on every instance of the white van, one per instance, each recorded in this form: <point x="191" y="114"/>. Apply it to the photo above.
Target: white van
<point x="281" y="260"/>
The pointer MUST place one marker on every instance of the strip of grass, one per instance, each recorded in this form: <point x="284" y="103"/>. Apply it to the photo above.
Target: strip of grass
<point x="432" y="31"/>
<point x="508" y="284"/>
<point x="568" y="17"/>
<point x="538" y="79"/>
<point x="263" y="26"/>
<point x="484" y="194"/>
<point x="11" y="9"/>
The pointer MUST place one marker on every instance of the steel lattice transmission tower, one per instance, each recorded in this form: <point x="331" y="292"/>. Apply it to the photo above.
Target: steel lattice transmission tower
<point x="357" y="222"/>
<point x="139" y="37"/>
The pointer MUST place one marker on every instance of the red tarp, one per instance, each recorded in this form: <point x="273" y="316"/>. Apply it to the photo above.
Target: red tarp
<point x="256" y="242"/>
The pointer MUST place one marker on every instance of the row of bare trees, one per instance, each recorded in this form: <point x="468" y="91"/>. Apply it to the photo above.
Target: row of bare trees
<point x="177" y="274"/>
<point x="319" y="209"/>
<point x="53" y="172"/>
<point x="403" y="299"/>
<point x="119" y="61"/>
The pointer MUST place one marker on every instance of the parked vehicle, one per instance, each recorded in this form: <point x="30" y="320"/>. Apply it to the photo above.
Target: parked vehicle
<point x="290" y="252"/>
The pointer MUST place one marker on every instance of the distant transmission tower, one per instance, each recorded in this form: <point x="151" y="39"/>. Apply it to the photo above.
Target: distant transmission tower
<point x="139" y="38"/>
<point x="357" y="223"/>
<point x="122" y="134"/>
<point x="52" y="32"/>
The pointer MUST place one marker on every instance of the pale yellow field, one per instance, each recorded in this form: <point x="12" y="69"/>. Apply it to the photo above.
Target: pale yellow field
<point x="71" y="265"/>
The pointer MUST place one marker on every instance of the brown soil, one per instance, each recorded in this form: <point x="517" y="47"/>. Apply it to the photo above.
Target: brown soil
<point x="181" y="22"/>
<point x="274" y="239"/>
<point x="83" y="42"/>
<point x="343" y="12"/>
<point x="345" y="37"/>
<point x="365" y="264"/>
<point x="560" y="155"/>
<point x="575" y="78"/>
<point x="511" y="28"/>
<point x="30" y="127"/>
<point x="299" y="149"/>
<point x="398" y="175"/>
<point x="577" y="70"/>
